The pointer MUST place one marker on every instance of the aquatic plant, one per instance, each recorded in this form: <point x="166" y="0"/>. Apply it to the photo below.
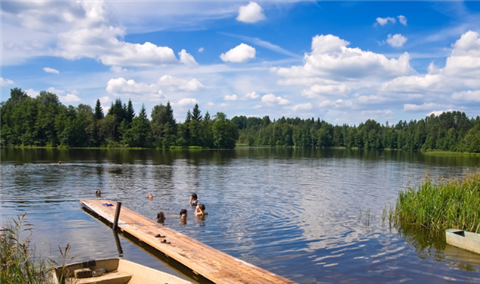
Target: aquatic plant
<point x="452" y="203"/>
<point x="18" y="260"/>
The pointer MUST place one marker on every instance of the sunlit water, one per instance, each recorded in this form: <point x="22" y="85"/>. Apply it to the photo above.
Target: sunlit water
<point x="313" y="216"/>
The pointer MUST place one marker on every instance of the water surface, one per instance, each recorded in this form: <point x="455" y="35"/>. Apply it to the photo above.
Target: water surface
<point x="313" y="216"/>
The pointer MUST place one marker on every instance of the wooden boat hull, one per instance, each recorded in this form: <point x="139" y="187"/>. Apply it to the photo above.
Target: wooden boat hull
<point x="464" y="240"/>
<point x="112" y="271"/>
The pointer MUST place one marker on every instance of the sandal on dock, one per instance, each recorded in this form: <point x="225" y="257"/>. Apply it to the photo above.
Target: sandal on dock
<point x="159" y="236"/>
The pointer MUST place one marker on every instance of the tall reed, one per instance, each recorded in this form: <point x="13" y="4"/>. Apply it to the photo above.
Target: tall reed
<point x="453" y="203"/>
<point x="18" y="261"/>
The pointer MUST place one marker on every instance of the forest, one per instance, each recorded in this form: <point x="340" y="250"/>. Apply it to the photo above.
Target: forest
<point x="45" y="121"/>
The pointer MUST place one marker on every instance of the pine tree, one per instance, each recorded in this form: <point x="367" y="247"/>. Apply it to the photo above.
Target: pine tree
<point x="98" y="110"/>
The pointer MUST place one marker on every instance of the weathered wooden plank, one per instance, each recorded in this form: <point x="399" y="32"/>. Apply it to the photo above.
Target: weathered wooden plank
<point x="212" y="264"/>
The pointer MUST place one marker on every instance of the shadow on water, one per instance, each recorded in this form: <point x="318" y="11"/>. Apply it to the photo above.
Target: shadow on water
<point x="429" y="243"/>
<point x="168" y="261"/>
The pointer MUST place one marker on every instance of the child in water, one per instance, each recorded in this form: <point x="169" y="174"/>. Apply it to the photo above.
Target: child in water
<point x="150" y="196"/>
<point x="193" y="199"/>
<point x="200" y="210"/>
<point x="183" y="215"/>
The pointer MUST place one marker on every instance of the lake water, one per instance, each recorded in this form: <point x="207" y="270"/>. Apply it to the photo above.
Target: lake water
<point x="313" y="216"/>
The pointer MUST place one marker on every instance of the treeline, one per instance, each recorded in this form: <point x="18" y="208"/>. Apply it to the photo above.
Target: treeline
<point x="449" y="131"/>
<point x="45" y="121"/>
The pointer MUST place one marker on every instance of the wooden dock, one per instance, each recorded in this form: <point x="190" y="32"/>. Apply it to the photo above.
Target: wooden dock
<point x="204" y="260"/>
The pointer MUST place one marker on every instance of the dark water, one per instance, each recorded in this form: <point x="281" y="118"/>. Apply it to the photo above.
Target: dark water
<point x="313" y="216"/>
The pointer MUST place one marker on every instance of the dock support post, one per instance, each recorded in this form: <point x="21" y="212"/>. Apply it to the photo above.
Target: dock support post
<point x="117" y="214"/>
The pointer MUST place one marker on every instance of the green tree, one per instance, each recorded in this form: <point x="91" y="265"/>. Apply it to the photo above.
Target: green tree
<point x="225" y="133"/>
<point x="98" y="110"/>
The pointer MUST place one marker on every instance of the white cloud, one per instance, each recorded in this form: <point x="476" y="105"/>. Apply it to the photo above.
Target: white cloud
<point x="250" y="13"/>
<point x="332" y="59"/>
<point x="240" y="53"/>
<point x="55" y="91"/>
<point x="461" y="71"/>
<point x="201" y="49"/>
<point x="187" y="58"/>
<point x="472" y="96"/>
<point x="105" y="100"/>
<point x="32" y="93"/>
<point x="336" y="90"/>
<point x="272" y="99"/>
<point x="252" y="95"/>
<point x="210" y="104"/>
<point x="384" y="21"/>
<point x="118" y="69"/>
<point x="231" y="97"/>
<point x="396" y="40"/>
<point x="438" y="112"/>
<point x="69" y="98"/>
<point x="51" y="70"/>
<point x="187" y="101"/>
<point x="123" y="88"/>
<point x="402" y="20"/>
<point x="302" y="106"/>
<point x="5" y="82"/>
<point x="422" y="107"/>
<point x="178" y="84"/>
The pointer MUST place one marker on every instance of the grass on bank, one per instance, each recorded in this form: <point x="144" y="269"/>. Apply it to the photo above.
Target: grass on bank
<point x="453" y="203"/>
<point x="19" y="263"/>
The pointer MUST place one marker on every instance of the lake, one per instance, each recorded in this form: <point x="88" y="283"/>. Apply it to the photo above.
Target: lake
<point x="313" y="216"/>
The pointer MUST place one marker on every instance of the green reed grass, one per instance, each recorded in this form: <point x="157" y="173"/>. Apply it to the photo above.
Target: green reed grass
<point x="19" y="263"/>
<point x="453" y="203"/>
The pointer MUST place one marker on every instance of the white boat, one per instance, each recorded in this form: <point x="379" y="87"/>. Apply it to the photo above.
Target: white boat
<point x="112" y="271"/>
<point x="464" y="240"/>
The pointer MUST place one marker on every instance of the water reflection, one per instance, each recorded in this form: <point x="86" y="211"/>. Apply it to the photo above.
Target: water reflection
<point x="294" y="212"/>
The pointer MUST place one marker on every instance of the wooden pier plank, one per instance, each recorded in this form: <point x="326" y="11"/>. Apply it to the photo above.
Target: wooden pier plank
<point x="212" y="264"/>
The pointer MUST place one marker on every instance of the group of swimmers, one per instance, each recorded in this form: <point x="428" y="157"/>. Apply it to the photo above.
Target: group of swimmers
<point x="199" y="210"/>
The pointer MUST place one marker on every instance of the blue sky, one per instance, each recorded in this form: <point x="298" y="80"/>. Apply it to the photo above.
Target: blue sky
<point x="344" y="62"/>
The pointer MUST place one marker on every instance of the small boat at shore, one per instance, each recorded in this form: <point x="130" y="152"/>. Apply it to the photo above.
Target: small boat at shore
<point x="112" y="271"/>
<point x="464" y="240"/>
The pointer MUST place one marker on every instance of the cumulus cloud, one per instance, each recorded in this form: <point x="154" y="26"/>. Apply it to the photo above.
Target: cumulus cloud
<point x="302" y="107"/>
<point x="422" y="107"/>
<point x="51" y="70"/>
<point x="69" y="98"/>
<point x="332" y="59"/>
<point x="93" y="36"/>
<point x="239" y="54"/>
<point x="469" y="96"/>
<point x="316" y="90"/>
<point x="231" y="97"/>
<point x="252" y="95"/>
<point x="271" y="99"/>
<point x="187" y="58"/>
<point x="32" y="93"/>
<point x="402" y="20"/>
<point x="187" y="102"/>
<point x="396" y="40"/>
<point x="105" y="100"/>
<point x="118" y="69"/>
<point x="201" y="49"/>
<point x="130" y="88"/>
<point x="178" y="84"/>
<point x="250" y="13"/>
<point x="461" y="71"/>
<point x="5" y="82"/>
<point x="384" y="21"/>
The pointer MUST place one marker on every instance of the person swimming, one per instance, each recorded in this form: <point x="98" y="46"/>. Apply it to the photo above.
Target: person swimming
<point x="200" y="210"/>
<point x="98" y="193"/>
<point x="193" y="199"/>
<point x="150" y="196"/>
<point x="183" y="216"/>
<point x="160" y="217"/>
